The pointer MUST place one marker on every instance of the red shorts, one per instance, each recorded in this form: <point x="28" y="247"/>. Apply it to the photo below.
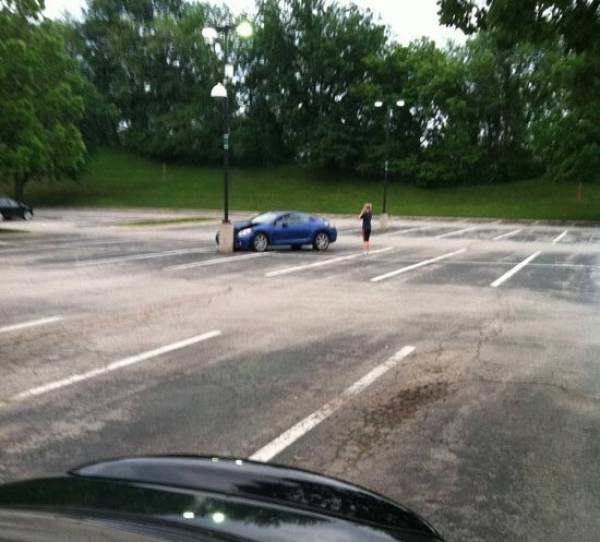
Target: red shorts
<point x="366" y="235"/>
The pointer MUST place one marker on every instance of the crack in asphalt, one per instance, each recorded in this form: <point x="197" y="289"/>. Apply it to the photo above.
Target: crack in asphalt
<point x="559" y="387"/>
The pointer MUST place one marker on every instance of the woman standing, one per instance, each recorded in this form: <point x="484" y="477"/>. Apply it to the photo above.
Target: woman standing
<point x="366" y="215"/>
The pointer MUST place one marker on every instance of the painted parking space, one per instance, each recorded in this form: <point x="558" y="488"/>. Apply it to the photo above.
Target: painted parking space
<point x="533" y="235"/>
<point x="114" y="366"/>
<point x="435" y="231"/>
<point x="574" y="277"/>
<point x="347" y="266"/>
<point x="573" y="274"/>
<point x="82" y="248"/>
<point x="325" y="262"/>
<point x="418" y="265"/>
<point x="580" y="236"/>
<point x="24" y="325"/>
<point x="471" y="269"/>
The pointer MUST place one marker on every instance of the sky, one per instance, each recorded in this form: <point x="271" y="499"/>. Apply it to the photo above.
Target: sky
<point x="407" y="19"/>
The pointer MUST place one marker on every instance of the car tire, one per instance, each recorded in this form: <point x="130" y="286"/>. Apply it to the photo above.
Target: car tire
<point x="27" y="215"/>
<point x="260" y="242"/>
<point x="321" y="241"/>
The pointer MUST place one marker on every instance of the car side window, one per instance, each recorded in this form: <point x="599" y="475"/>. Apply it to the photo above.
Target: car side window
<point x="282" y="220"/>
<point x="297" y="218"/>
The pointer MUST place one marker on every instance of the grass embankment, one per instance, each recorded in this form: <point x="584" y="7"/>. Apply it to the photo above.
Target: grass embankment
<point x="120" y="179"/>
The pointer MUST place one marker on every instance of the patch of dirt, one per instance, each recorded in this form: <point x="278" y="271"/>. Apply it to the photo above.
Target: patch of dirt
<point x="373" y="420"/>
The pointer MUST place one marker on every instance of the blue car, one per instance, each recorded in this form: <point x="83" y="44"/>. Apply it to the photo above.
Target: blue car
<point x="289" y="228"/>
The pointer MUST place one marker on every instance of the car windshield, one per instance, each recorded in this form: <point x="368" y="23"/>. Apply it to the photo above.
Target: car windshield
<point x="265" y="218"/>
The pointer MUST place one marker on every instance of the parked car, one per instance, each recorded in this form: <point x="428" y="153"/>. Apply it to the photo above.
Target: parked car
<point x="10" y="208"/>
<point x="201" y="499"/>
<point x="283" y="228"/>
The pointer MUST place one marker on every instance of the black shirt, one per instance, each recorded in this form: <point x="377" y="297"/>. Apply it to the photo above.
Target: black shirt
<point x="366" y="218"/>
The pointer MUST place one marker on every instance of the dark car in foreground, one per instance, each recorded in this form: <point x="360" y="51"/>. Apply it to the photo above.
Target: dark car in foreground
<point x="283" y="228"/>
<point x="201" y="499"/>
<point x="10" y="209"/>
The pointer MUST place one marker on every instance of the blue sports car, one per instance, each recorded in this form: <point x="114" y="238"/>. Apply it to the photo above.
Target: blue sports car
<point x="290" y="228"/>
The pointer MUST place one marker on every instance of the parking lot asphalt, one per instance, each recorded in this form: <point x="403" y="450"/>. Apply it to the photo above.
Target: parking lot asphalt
<point x="454" y="368"/>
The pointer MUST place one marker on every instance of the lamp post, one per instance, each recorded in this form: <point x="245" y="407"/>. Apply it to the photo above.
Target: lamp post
<point x="389" y="114"/>
<point x="220" y="92"/>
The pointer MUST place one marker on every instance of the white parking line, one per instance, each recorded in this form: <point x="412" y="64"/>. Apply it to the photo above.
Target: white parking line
<point x="288" y="270"/>
<point x="33" y="323"/>
<point x="215" y="261"/>
<point x="507" y="235"/>
<point x="275" y="447"/>
<point x="417" y="265"/>
<point x="116" y="365"/>
<point x="409" y="230"/>
<point x="560" y="237"/>
<point x="457" y="232"/>
<point x="145" y="256"/>
<point x="66" y="245"/>
<point x="514" y="270"/>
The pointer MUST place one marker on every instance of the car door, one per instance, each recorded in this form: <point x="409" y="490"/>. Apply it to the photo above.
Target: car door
<point x="280" y="234"/>
<point x="12" y="208"/>
<point x="299" y="228"/>
<point x="7" y="207"/>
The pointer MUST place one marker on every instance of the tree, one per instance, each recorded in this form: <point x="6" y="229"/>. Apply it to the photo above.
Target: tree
<point x="576" y="22"/>
<point x="39" y="92"/>
<point x="306" y="56"/>
<point x="148" y="60"/>
<point x="575" y="26"/>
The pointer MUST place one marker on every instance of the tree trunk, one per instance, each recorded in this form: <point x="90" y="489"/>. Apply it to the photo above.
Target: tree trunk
<point x="20" y="188"/>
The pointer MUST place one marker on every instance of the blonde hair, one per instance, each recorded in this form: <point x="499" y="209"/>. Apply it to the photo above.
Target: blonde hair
<point x="367" y="207"/>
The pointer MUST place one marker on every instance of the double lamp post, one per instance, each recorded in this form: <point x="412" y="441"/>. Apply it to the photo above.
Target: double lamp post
<point x="220" y="92"/>
<point x="379" y="104"/>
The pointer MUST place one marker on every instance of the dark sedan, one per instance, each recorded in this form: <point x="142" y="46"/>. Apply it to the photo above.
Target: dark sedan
<point x="201" y="499"/>
<point x="10" y="208"/>
<point x="284" y="228"/>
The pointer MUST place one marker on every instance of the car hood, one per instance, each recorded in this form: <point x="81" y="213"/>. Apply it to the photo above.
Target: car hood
<point x="190" y="498"/>
<point x="239" y="226"/>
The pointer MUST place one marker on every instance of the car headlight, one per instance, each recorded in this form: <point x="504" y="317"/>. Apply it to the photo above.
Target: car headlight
<point x="245" y="232"/>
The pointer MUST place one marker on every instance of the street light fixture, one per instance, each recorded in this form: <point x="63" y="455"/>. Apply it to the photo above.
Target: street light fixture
<point x="389" y="114"/>
<point x="209" y="34"/>
<point x="219" y="92"/>
<point x="244" y="30"/>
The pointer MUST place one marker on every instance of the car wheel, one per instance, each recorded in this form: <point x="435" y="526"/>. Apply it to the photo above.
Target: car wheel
<point x="27" y="215"/>
<point x="260" y="242"/>
<point x="321" y="241"/>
